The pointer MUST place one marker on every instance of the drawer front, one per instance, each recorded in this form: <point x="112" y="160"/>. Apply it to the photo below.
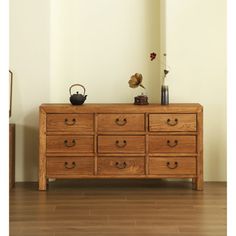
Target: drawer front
<point x="120" y="166"/>
<point x="172" y="166"/>
<point x="172" y="122"/>
<point x="121" y="122"/>
<point x="70" y="144"/>
<point x="70" y="122"/>
<point x="69" y="166"/>
<point x="172" y="144"/>
<point x="121" y="144"/>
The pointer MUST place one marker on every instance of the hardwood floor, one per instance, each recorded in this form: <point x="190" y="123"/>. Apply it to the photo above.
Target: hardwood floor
<point x="118" y="208"/>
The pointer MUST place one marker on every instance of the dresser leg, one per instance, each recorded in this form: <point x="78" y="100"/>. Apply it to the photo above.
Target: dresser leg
<point x="42" y="183"/>
<point x="198" y="183"/>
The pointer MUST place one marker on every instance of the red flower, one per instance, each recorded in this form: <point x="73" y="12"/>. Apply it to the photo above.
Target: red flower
<point x="153" y="56"/>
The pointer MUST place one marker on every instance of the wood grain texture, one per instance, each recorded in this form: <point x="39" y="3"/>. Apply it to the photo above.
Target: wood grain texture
<point x="70" y="144"/>
<point x="108" y="132"/>
<point x="121" y="166"/>
<point x="69" y="166"/>
<point x="172" y="122"/>
<point x="121" y="144"/>
<point x="120" y="122"/>
<point x="172" y="165"/>
<point x="200" y="181"/>
<point x="124" y="107"/>
<point x="118" y="208"/>
<point x="70" y="122"/>
<point x="146" y="144"/>
<point x="172" y="144"/>
<point x="42" y="149"/>
<point x="12" y="130"/>
<point x="95" y="144"/>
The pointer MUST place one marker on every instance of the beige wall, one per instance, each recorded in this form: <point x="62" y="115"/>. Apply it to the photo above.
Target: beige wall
<point x="57" y="43"/>
<point x="29" y="61"/>
<point x="196" y="48"/>
<point x="100" y="44"/>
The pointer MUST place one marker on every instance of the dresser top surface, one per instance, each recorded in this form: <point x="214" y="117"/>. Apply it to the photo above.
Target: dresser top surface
<point x="121" y="108"/>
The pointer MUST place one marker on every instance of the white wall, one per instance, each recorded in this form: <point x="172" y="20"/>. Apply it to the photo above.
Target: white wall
<point x="29" y="61"/>
<point x="196" y="53"/>
<point x="100" y="44"/>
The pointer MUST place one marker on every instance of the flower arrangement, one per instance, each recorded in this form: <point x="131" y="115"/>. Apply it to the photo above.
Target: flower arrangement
<point x="153" y="56"/>
<point x="136" y="81"/>
<point x="164" y="88"/>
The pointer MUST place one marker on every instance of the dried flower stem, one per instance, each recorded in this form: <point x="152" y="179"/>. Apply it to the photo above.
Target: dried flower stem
<point x="153" y="57"/>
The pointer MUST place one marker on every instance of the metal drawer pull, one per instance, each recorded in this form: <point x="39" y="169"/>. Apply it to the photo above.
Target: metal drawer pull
<point x="73" y="165"/>
<point x="172" y="123"/>
<point x="121" y="165"/>
<point x="172" y="167"/>
<point x="122" y="144"/>
<point x="70" y="123"/>
<point x="69" y="145"/>
<point x="121" y="122"/>
<point x="172" y="145"/>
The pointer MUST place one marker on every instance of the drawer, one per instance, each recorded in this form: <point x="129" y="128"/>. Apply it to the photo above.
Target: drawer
<point x="172" y="122"/>
<point x="172" y="144"/>
<point x="69" y="166"/>
<point x="70" y="144"/>
<point x="120" y="166"/>
<point x="121" y="122"/>
<point x="172" y="166"/>
<point x="70" y="122"/>
<point x="121" y="144"/>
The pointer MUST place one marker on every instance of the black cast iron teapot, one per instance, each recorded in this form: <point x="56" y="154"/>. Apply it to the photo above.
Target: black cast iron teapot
<point x="77" y="99"/>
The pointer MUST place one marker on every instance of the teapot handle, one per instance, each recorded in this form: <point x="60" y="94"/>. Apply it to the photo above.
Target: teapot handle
<point x="76" y="85"/>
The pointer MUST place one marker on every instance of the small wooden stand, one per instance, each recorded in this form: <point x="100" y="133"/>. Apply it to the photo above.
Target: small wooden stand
<point x="11" y="156"/>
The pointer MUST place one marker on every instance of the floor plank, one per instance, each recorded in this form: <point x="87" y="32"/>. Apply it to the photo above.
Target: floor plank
<point x="118" y="208"/>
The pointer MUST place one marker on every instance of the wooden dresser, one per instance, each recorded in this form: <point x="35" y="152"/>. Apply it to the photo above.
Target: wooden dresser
<point x="121" y="141"/>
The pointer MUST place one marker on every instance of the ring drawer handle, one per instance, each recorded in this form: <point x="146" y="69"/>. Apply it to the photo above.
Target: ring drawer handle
<point x="67" y="122"/>
<point x="172" y="167"/>
<point x="121" y="145"/>
<point x="73" y="165"/>
<point x="172" y="123"/>
<point x="121" y="122"/>
<point x="172" y="145"/>
<point x="69" y="145"/>
<point x="121" y="165"/>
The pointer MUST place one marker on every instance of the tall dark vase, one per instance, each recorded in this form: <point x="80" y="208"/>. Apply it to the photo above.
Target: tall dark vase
<point x="164" y="95"/>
